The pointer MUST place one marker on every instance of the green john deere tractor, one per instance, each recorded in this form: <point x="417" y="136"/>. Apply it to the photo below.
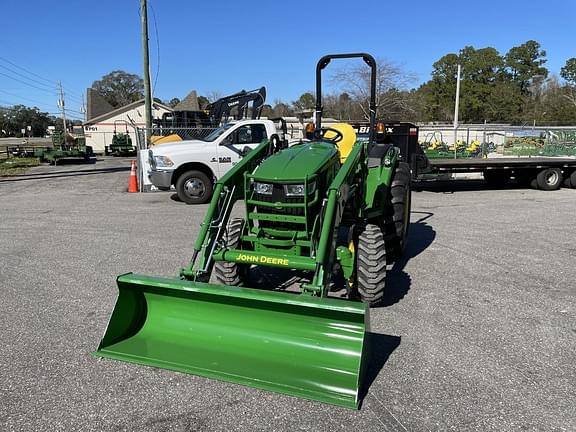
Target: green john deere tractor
<point x="317" y="207"/>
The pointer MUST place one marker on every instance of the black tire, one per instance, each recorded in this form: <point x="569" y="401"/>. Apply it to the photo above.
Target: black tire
<point x="370" y="265"/>
<point x="549" y="179"/>
<point x="194" y="187"/>
<point x="524" y="178"/>
<point x="573" y="180"/>
<point x="231" y="273"/>
<point x="397" y="217"/>
<point x="496" y="177"/>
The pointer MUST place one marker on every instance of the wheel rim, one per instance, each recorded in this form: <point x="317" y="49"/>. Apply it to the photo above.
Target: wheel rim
<point x="194" y="188"/>
<point x="552" y="178"/>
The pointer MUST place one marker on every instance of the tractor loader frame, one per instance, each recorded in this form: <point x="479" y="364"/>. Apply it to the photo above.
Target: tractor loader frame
<point x="305" y="344"/>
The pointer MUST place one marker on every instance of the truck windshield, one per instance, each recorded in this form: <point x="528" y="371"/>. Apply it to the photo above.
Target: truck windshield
<point x="216" y="133"/>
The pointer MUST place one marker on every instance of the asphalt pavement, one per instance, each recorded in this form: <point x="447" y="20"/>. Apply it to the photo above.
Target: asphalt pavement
<point x="478" y="330"/>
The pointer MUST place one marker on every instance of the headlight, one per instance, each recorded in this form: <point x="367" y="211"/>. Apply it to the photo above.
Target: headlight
<point x="294" y="189"/>
<point x="298" y="189"/>
<point x="263" y="188"/>
<point x="163" y="161"/>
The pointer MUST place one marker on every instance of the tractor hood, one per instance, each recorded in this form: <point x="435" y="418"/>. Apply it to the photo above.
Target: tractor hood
<point x="297" y="162"/>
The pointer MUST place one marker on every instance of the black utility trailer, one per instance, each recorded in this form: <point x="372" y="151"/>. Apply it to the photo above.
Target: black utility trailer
<point x="546" y="173"/>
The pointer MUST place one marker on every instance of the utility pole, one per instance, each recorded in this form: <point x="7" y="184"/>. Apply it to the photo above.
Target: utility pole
<point x="61" y="105"/>
<point x="83" y="108"/>
<point x="147" y="90"/>
<point x="456" y="106"/>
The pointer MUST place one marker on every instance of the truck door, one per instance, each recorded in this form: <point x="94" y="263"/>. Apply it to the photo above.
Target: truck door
<point x="238" y="143"/>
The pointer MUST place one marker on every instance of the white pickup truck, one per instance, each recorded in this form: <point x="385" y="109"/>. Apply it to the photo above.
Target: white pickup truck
<point x="193" y="166"/>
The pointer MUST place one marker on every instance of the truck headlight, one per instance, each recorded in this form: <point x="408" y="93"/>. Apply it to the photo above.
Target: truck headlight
<point x="163" y="161"/>
<point x="263" y="188"/>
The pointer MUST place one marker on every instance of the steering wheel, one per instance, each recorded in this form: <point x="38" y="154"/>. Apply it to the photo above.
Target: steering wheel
<point x="321" y="134"/>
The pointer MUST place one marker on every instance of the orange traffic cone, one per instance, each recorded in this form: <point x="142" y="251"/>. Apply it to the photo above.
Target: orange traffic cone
<point x="133" y="181"/>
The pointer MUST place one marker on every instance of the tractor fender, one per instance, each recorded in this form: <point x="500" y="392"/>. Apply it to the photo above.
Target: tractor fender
<point x="381" y="162"/>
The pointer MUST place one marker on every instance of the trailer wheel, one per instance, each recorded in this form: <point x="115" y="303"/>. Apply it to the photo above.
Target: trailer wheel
<point x="573" y="180"/>
<point x="226" y="272"/>
<point x="397" y="218"/>
<point x="194" y="187"/>
<point x="496" y="177"/>
<point x="370" y="265"/>
<point x="549" y="179"/>
<point x="524" y="178"/>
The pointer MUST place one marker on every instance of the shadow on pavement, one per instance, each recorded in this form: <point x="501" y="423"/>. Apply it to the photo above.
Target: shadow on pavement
<point x="420" y="236"/>
<point x="58" y="174"/>
<point x="451" y="186"/>
<point x="379" y="347"/>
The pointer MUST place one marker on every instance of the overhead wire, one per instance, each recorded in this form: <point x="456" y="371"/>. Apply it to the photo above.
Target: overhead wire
<point x="157" y="48"/>
<point x="70" y="94"/>
<point x="24" y="98"/>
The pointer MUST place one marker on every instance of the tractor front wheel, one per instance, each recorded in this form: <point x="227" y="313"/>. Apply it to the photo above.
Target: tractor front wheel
<point x="371" y="265"/>
<point x="231" y="273"/>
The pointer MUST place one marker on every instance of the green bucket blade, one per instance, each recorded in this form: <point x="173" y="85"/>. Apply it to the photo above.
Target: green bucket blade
<point x="302" y="346"/>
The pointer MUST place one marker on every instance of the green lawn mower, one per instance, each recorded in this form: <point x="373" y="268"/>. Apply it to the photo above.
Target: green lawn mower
<point x="331" y="204"/>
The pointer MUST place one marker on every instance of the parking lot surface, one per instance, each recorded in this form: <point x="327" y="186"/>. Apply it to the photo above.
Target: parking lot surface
<point x="478" y="330"/>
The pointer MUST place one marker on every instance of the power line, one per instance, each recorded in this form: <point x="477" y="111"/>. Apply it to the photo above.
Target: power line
<point x="24" y="98"/>
<point x="53" y="83"/>
<point x="26" y="83"/>
<point x="25" y="77"/>
<point x="26" y="70"/>
<point x="157" y="48"/>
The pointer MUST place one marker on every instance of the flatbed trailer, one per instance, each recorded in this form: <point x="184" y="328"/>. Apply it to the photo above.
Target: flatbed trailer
<point x="541" y="172"/>
<point x="545" y="173"/>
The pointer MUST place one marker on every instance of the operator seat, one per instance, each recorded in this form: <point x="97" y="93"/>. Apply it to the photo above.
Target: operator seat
<point x="348" y="138"/>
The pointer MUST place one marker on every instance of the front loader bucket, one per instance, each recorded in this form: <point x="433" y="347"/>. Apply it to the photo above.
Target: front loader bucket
<point x="294" y="344"/>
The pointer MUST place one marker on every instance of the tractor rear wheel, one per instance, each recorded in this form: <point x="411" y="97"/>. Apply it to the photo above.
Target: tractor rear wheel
<point x="397" y="215"/>
<point x="231" y="273"/>
<point x="371" y="265"/>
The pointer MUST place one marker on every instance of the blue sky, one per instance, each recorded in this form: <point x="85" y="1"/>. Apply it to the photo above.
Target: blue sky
<point x="226" y="46"/>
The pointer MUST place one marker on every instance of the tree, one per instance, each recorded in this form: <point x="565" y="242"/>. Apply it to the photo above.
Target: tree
<point x="305" y="102"/>
<point x="120" y="88"/>
<point x="173" y="102"/>
<point x="391" y="79"/>
<point x="213" y="96"/>
<point x="267" y="111"/>
<point x="282" y="109"/>
<point x="568" y="71"/>
<point x="18" y="117"/>
<point x="525" y="63"/>
<point x="203" y="102"/>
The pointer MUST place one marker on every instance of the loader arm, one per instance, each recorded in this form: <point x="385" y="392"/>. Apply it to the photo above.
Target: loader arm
<point x="228" y="190"/>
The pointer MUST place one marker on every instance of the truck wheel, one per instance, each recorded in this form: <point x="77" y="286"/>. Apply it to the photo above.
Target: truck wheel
<point x="496" y="177"/>
<point x="397" y="217"/>
<point x="231" y="273"/>
<point x="194" y="187"/>
<point x="549" y="179"/>
<point x="371" y="265"/>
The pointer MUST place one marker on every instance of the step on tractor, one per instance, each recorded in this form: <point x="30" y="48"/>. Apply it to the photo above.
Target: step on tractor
<point x="332" y="204"/>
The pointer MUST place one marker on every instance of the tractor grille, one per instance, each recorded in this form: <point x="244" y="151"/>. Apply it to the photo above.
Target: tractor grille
<point x="278" y="195"/>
